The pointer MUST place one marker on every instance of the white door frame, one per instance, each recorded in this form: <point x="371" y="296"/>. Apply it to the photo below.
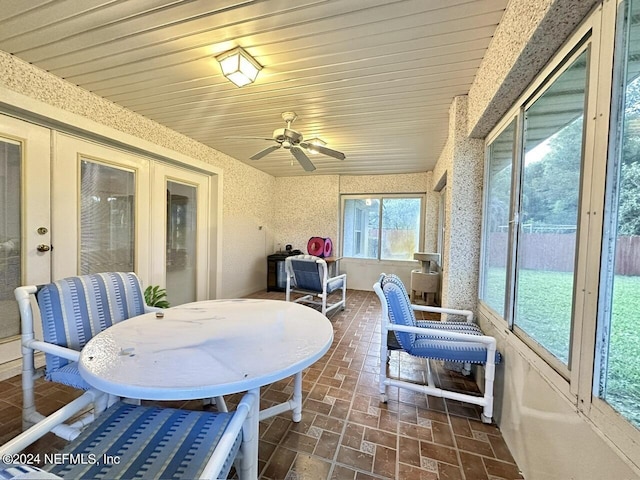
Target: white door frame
<point x="35" y="266"/>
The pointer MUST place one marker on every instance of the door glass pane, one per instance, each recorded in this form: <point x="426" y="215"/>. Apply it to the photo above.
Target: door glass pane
<point x="400" y="228"/>
<point x="549" y="211"/>
<point x="107" y="222"/>
<point x="496" y="223"/>
<point x="360" y="225"/>
<point x="620" y="368"/>
<point x="181" y="243"/>
<point x="10" y="274"/>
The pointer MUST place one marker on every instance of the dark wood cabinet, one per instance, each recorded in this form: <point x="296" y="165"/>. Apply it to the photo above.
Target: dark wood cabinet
<point x="276" y="275"/>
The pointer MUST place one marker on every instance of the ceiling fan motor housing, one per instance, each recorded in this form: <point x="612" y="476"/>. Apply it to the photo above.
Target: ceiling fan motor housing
<point x="281" y="135"/>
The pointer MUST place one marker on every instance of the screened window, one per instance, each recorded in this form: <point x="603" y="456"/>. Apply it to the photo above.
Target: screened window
<point x="550" y="189"/>
<point x="496" y="219"/>
<point x="567" y="279"/>
<point x="619" y="368"/>
<point x="382" y="227"/>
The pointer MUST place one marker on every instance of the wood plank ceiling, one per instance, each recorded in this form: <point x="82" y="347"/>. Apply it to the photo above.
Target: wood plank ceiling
<point x="372" y="78"/>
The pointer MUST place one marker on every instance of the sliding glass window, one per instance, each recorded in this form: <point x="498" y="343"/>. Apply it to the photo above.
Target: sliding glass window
<point x="496" y="219"/>
<point x="388" y="227"/>
<point x="618" y="362"/>
<point x="548" y="216"/>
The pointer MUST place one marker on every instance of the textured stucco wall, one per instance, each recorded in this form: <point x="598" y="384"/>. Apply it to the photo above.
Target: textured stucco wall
<point x="306" y="207"/>
<point x="310" y="206"/>
<point x="530" y="32"/>
<point x="247" y="192"/>
<point x="462" y="162"/>
<point x="401" y="183"/>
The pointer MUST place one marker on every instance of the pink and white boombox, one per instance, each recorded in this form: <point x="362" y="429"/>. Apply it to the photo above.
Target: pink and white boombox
<point x="320" y="247"/>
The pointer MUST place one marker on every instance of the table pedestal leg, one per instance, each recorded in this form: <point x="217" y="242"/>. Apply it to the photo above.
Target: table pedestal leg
<point x="295" y="404"/>
<point x="297" y="397"/>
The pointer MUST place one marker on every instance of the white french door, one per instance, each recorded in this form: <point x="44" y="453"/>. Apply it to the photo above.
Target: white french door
<point x="71" y="207"/>
<point x="100" y="209"/>
<point x="25" y="230"/>
<point x="123" y="212"/>
<point x="181" y="253"/>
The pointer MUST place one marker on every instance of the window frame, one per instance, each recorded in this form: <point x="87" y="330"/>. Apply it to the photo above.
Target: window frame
<point x="604" y="30"/>
<point x="381" y="197"/>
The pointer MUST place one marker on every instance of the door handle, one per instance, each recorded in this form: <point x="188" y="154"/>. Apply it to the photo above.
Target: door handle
<point x="44" y="247"/>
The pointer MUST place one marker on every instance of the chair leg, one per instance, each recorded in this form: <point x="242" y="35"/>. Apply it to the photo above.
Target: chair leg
<point x="384" y="358"/>
<point x="489" y="376"/>
<point x="29" y="414"/>
<point x="248" y="464"/>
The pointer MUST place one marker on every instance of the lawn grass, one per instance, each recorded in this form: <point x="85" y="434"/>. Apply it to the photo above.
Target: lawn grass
<point x="544" y="301"/>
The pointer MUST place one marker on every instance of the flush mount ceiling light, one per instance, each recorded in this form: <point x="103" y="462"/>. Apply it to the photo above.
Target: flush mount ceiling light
<point x="239" y="67"/>
<point x="315" y="141"/>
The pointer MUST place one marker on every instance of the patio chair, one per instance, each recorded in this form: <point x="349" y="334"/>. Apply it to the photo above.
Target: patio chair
<point x="308" y="275"/>
<point x="451" y="341"/>
<point x="134" y="441"/>
<point x="72" y="311"/>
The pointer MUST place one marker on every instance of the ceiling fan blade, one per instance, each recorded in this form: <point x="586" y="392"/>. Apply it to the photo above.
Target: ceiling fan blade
<point x="303" y="159"/>
<point x="324" y="150"/>
<point x="246" y="138"/>
<point x="265" y="152"/>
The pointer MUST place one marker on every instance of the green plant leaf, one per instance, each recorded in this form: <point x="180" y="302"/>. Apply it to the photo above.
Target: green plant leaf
<point x="155" y="296"/>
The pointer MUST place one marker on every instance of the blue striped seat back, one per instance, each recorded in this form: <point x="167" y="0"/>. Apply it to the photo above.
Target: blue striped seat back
<point x="399" y="306"/>
<point x="307" y="274"/>
<point x="75" y="309"/>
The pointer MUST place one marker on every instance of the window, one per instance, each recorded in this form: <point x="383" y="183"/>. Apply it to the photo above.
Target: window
<point x="548" y="215"/>
<point x="107" y="222"/>
<point x="385" y="227"/>
<point x="565" y="164"/>
<point x="496" y="219"/>
<point x="618" y="362"/>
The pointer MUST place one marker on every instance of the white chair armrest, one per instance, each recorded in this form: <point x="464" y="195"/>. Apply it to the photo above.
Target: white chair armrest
<point x="451" y="311"/>
<point x="54" y="349"/>
<point x="464" y="337"/>
<point x="236" y="424"/>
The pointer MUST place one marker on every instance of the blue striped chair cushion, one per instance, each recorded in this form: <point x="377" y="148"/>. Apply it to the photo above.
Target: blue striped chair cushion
<point x="400" y="311"/>
<point x="149" y="442"/>
<point x="68" y="375"/>
<point x="437" y="347"/>
<point x="74" y="309"/>
<point x="23" y="472"/>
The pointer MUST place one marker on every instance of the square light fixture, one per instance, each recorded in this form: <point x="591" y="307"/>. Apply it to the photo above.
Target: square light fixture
<point x="315" y="141"/>
<point x="239" y="67"/>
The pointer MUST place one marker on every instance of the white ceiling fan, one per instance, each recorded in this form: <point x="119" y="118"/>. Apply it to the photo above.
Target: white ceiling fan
<point x="293" y="141"/>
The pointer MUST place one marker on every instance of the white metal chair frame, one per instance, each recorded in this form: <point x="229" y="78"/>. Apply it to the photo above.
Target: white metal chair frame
<point x="325" y="281"/>
<point x="245" y="420"/>
<point x="485" y="401"/>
